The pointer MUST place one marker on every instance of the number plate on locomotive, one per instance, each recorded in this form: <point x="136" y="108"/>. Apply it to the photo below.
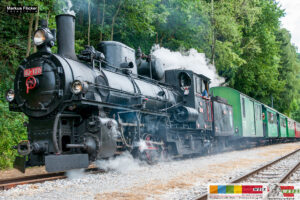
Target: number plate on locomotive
<point x="33" y="71"/>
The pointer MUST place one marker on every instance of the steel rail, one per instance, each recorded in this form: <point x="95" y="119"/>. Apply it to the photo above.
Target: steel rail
<point x="6" y="184"/>
<point x="243" y="177"/>
<point x="289" y="173"/>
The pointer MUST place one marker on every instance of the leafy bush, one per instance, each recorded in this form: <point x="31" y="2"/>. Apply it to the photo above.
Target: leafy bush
<point x="11" y="132"/>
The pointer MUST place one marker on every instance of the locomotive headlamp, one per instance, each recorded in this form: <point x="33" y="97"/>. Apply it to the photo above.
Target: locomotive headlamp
<point x="76" y="87"/>
<point x="79" y="87"/>
<point x="44" y="38"/>
<point x="10" y="95"/>
<point x="39" y="37"/>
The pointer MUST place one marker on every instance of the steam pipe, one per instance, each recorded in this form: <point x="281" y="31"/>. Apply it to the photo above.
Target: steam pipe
<point x="65" y="25"/>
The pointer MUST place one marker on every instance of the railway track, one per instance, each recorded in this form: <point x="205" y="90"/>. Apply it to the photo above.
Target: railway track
<point x="6" y="184"/>
<point x="285" y="169"/>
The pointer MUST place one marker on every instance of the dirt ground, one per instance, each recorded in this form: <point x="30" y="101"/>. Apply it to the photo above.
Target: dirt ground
<point x="13" y="173"/>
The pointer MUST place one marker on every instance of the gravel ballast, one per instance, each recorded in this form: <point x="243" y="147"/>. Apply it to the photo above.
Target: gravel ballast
<point x="129" y="179"/>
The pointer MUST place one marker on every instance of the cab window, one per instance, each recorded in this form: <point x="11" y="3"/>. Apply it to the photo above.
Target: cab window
<point x="203" y="86"/>
<point x="198" y="85"/>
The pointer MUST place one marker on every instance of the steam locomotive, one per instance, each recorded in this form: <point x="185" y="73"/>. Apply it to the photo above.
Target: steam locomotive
<point x="109" y="100"/>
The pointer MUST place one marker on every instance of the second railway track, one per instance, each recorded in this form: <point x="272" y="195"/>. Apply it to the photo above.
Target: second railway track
<point x="285" y="169"/>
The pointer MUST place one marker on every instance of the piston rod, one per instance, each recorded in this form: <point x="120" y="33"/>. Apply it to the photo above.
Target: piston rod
<point x="76" y="146"/>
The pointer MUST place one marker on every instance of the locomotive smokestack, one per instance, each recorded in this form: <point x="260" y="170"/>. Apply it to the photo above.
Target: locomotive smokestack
<point x="65" y="25"/>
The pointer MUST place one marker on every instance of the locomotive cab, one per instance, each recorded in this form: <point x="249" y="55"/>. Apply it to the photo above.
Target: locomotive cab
<point x="210" y="117"/>
<point x="198" y="107"/>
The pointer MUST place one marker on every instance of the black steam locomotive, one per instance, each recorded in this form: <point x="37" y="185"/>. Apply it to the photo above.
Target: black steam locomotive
<point x="109" y="100"/>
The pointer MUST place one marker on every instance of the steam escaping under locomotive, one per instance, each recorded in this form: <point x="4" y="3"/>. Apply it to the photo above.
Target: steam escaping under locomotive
<point x="109" y="100"/>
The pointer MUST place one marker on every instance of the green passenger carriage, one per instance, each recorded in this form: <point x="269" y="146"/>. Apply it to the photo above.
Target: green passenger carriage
<point x="254" y="119"/>
<point x="247" y="112"/>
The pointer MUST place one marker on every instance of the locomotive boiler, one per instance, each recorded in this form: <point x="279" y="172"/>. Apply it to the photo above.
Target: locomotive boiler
<point x="108" y="100"/>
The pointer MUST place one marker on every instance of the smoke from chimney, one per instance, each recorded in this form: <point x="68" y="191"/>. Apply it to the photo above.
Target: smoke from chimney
<point x="190" y="60"/>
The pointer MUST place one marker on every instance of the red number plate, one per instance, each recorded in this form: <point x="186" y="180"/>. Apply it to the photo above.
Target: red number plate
<point x="33" y="71"/>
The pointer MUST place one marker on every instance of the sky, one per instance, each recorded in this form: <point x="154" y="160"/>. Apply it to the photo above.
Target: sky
<point x="291" y="20"/>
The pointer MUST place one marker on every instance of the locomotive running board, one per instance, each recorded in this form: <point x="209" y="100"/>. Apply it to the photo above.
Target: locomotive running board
<point x="58" y="163"/>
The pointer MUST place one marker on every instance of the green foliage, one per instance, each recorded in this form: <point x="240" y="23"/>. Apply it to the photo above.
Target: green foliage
<point x="254" y="54"/>
<point x="12" y="132"/>
<point x="289" y="67"/>
<point x="250" y="49"/>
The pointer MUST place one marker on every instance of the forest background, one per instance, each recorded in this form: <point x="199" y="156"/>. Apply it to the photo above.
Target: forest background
<point x="243" y="38"/>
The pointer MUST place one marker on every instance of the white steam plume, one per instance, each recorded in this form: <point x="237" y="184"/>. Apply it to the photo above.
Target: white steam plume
<point x="189" y="60"/>
<point x="142" y="145"/>
<point x="122" y="163"/>
<point x="75" y="173"/>
<point x="67" y="10"/>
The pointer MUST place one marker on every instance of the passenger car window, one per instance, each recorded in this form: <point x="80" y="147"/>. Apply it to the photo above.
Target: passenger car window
<point x="243" y="104"/>
<point x="270" y="117"/>
<point x="257" y="112"/>
<point x="283" y="122"/>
